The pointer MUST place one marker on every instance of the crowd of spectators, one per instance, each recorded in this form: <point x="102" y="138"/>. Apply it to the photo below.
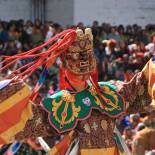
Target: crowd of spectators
<point x="121" y="51"/>
<point x="124" y="47"/>
<point x="138" y="131"/>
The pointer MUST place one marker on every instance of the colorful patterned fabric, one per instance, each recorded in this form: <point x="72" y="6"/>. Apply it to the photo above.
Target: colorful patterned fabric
<point x="14" y="113"/>
<point x="135" y="93"/>
<point x="65" y="109"/>
<point x="96" y="131"/>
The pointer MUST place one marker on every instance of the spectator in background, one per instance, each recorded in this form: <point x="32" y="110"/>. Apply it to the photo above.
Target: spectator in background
<point x="13" y="34"/>
<point x="1" y="47"/>
<point x="37" y="24"/>
<point x="80" y="25"/>
<point x="36" y="37"/>
<point x="134" y="120"/>
<point x="114" y="34"/>
<point x="11" y="48"/>
<point x="128" y="136"/>
<point x="151" y="46"/>
<point x="143" y="141"/>
<point x="110" y="50"/>
<point x="49" y="33"/>
<point x="45" y="28"/>
<point x="102" y="35"/>
<point x="100" y="55"/>
<point x="23" y="35"/>
<point x="28" y="27"/>
<point x="121" y="32"/>
<point x="3" y="33"/>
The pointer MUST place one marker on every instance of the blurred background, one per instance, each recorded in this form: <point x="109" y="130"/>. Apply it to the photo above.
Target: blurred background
<point x="124" y="40"/>
<point x="70" y="12"/>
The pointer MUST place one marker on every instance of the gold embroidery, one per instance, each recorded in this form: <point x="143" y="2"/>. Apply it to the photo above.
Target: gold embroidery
<point x="87" y="128"/>
<point x="38" y="121"/>
<point x="141" y="90"/>
<point x="68" y="99"/>
<point x="107" y="90"/>
<point x="104" y="124"/>
<point x="94" y="126"/>
<point x="107" y="141"/>
<point x="94" y="93"/>
<point x="56" y="105"/>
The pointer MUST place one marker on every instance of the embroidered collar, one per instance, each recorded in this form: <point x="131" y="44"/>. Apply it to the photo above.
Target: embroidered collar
<point x="66" y="109"/>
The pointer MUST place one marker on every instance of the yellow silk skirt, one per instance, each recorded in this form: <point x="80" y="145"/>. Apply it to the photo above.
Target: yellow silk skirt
<point x="104" y="151"/>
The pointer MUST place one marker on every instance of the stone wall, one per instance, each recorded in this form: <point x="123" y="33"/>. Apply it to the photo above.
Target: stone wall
<point x="15" y="9"/>
<point x="115" y="11"/>
<point x="60" y="11"/>
<point x="67" y="12"/>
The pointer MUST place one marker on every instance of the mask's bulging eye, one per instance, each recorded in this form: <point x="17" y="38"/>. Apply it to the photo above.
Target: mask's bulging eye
<point x="75" y="56"/>
<point x="68" y="56"/>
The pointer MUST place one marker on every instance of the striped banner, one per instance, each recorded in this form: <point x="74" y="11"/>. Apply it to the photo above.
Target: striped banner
<point x="14" y="113"/>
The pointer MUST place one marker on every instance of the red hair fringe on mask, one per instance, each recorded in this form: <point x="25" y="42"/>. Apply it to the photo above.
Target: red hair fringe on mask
<point x="57" y="45"/>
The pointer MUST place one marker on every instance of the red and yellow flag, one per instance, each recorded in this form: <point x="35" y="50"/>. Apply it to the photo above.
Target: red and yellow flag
<point x="14" y="113"/>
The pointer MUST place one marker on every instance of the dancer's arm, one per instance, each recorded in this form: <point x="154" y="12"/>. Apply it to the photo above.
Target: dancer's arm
<point x="140" y="91"/>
